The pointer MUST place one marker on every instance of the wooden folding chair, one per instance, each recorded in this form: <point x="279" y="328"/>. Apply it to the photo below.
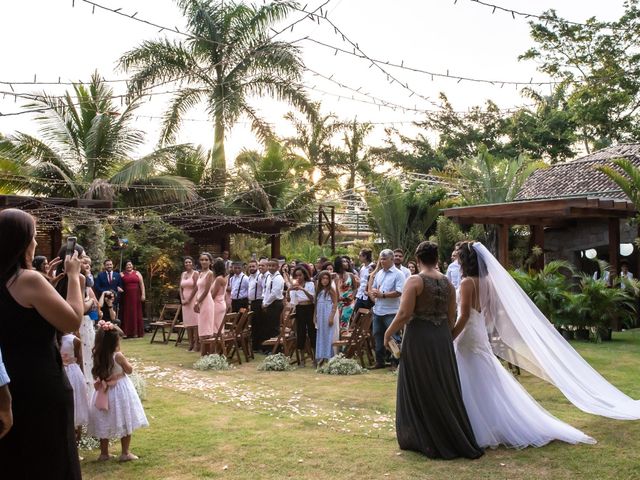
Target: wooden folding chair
<point x="355" y="343"/>
<point x="286" y="338"/>
<point x="224" y="339"/>
<point x="167" y="321"/>
<point x="243" y="334"/>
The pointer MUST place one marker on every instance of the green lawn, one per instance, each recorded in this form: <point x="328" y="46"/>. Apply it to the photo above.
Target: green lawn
<point x="248" y="424"/>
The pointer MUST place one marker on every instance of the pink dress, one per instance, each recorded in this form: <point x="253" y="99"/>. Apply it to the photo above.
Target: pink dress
<point x="205" y="318"/>
<point x="220" y="308"/>
<point x="189" y="316"/>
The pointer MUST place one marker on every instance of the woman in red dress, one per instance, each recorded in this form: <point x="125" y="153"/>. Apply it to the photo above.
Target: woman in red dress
<point x="131" y="303"/>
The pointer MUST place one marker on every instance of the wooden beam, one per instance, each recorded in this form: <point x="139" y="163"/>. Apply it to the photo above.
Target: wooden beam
<point x="614" y="247"/>
<point x="503" y="245"/>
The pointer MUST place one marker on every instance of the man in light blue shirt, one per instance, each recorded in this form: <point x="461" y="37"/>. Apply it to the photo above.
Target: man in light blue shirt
<point x="386" y="290"/>
<point x="6" y="417"/>
<point x="362" y="299"/>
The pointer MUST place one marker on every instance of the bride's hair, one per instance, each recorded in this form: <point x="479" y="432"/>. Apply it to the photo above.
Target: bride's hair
<point x="427" y="253"/>
<point x="468" y="259"/>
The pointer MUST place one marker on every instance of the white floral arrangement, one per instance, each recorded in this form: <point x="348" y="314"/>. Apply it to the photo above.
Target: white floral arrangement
<point x="140" y="385"/>
<point x="212" y="362"/>
<point x="87" y="442"/>
<point x="339" y="365"/>
<point x="276" y="363"/>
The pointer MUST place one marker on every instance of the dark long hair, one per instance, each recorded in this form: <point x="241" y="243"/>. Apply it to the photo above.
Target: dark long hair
<point x="219" y="268"/>
<point x="17" y="229"/>
<point x="305" y="273"/>
<point x="468" y="259"/>
<point x="38" y="262"/>
<point x="105" y="346"/>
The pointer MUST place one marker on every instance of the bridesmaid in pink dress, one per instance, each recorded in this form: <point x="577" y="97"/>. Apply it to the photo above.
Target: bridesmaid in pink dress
<point x="188" y="291"/>
<point x="218" y="292"/>
<point x="204" y="302"/>
<point x="131" y="304"/>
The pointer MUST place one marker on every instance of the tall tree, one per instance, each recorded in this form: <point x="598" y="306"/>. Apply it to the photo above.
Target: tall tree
<point x="230" y="58"/>
<point x="599" y="64"/>
<point x="355" y="159"/>
<point x="313" y="137"/>
<point x="86" y="149"/>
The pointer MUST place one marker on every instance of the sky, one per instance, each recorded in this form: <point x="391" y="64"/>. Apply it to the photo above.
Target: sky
<point x="64" y="39"/>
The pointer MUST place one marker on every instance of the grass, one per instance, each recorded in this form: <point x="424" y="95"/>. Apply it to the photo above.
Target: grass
<point x="243" y="423"/>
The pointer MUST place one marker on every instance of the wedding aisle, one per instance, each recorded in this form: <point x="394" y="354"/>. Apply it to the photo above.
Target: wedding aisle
<point x="243" y="423"/>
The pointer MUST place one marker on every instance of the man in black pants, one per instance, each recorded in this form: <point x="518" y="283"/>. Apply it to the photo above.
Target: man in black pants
<point x="366" y="268"/>
<point x="257" y="273"/>
<point x="238" y="288"/>
<point x="272" y="303"/>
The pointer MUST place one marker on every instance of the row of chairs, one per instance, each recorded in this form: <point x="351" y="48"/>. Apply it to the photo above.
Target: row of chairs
<point x="234" y="334"/>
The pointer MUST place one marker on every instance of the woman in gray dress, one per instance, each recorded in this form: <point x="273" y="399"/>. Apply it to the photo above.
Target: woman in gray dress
<point x="430" y="415"/>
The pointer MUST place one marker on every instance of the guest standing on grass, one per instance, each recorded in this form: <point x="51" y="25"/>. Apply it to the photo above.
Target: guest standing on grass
<point x="257" y="271"/>
<point x="430" y="415"/>
<point x="204" y="301"/>
<point x="188" y="292"/>
<point x="324" y="316"/>
<point x="238" y="287"/>
<point x="301" y="294"/>
<point x="71" y="353"/>
<point x="115" y="409"/>
<point x="272" y="304"/>
<point x="41" y="443"/>
<point x="346" y="286"/>
<point x="132" y="298"/>
<point x="398" y="258"/>
<point x="386" y="289"/>
<point x="366" y="268"/>
<point x="108" y="280"/>
<point x="218" y="291"/>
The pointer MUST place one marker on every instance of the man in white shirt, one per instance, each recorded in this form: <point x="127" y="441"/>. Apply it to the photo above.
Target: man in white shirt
<point x="386" y="290"/>
<point x="453" y="270"/>
<point x="272" y="304"/>
<point x="367" y="266"/>
<point x="625" y="274"/>
<point x="398" y="258"/>
<point x="257" y="273"/>
<point x="238" y="288"/>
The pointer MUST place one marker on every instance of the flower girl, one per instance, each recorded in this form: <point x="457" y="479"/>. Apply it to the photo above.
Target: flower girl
<point x="115" y="410"/>
<point x="71" y="353"/>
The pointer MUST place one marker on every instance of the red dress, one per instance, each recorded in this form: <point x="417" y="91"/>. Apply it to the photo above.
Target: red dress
<point x="131" y="306"/>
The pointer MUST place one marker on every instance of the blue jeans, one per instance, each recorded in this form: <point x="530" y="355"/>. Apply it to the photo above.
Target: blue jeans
<point x="380" y="325"/>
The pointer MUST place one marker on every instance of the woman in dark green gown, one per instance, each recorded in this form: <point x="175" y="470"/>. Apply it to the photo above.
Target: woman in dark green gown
<point x="430" y="415"/>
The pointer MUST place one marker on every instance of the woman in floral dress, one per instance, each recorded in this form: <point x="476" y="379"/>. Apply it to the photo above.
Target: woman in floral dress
<point x="346" y="286"/>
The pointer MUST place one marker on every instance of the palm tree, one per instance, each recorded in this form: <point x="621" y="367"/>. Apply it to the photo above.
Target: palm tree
<point x="86" y="149"/>
<point x="275" y="183"/>
<point x="628" y="179"/>
<point x="313" y="137"/>
<point x="355" y="159"/>
<point x="229" y="58"/>
<point x="403" y="217"/>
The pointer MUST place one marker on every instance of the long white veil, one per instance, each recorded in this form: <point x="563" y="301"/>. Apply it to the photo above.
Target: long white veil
<point x="522" y="335"/>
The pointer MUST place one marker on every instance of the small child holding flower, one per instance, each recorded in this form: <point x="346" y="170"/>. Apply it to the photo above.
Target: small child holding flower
<point x="115" y="410"/>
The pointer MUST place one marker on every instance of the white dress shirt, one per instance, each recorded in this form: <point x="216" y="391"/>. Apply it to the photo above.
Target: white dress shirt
<point x="273" y="289"/>
<point x="298" y="296"/>
<point x="4" y="378"/>
<point x="239" y="286"/>
<point x="453" y="273"/>
<point x="405" y="271"/>
<point x="256" y="286"/>
<point x="365" y="270"/>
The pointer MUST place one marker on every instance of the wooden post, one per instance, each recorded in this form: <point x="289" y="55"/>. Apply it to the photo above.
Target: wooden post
<point x="275" y="245"/>
<point x="333" y="230"/>
<point x="537" y="239"/>
<point x="320" y="235"/>
<point x="614" y="248"/>
<point x="503" y="245"/>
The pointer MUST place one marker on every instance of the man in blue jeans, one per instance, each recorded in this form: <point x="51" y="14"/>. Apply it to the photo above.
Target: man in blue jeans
<point x="385" y="291"/>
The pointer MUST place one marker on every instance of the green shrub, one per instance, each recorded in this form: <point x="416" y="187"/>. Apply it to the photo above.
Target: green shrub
<point x="339" y="365"/>
<point x="276" y="363"/>
<point x="212" y="362"/>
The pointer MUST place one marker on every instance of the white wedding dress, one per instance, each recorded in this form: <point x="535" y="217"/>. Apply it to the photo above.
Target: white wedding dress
<point x="500" y="409"/>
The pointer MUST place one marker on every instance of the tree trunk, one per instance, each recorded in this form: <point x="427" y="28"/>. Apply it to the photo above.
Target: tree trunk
<point x="218" y="158"/>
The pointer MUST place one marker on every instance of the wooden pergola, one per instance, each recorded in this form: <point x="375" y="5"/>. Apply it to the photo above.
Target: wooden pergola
<point x="49" y="232"/>
<point x="538" y="214"/>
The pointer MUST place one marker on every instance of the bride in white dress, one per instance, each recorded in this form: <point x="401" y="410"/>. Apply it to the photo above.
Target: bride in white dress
<point x="496" y="317"/>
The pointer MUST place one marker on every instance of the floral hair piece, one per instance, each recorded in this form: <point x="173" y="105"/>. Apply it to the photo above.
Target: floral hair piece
<point x="106" y="326"/>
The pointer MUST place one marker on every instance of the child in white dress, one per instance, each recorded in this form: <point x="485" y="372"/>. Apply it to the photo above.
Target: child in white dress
<point x="71" y="353"/>
<point x="115" y="410"/>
